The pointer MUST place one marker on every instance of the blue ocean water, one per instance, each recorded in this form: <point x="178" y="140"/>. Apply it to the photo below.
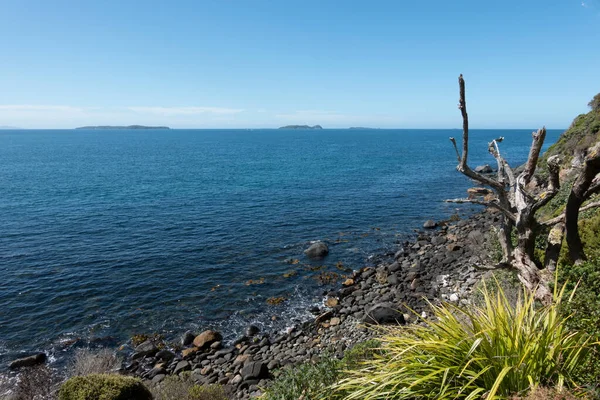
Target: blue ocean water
<point x="105" y="234"/>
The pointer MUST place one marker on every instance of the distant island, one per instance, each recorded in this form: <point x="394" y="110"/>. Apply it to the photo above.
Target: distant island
<point x="301" y="127"/>
<point x="123" y="127"/>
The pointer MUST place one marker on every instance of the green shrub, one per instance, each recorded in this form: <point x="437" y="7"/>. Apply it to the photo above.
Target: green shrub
<point x="309" y="381"/>
<point x="312" y="381"/>
<point x="182" y="387"/>
<point x="103" y="387"/>
<point x="491" y="351"/>
<point x="584" y="309"/>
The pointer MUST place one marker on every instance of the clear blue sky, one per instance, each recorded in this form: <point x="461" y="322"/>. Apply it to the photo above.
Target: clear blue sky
<point x="256" y="63"/>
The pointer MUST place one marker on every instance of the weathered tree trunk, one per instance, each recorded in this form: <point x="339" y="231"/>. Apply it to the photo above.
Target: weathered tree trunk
<point x="555" y="239"/>
<point x="517" y="205"/>
<point x="581" y="191"/>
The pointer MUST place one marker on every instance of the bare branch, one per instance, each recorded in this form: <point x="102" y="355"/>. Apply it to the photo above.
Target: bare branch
<point x="594" y="188"/>
<point x="534" y="154"/>
<point x="456" y="149"/>
<point x="561" y="217"/>
<point x="462" y="105"/>
<point x="493" y="204"/>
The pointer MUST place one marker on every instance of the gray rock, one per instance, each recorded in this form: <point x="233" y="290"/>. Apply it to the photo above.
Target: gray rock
<point x="165" y="355"/>
<point x="430" y="224"/>
<point x="254" y="370"/>
<point x="484" y="169"/>
<point x="317" y="250"/>
<point x="144" y="349"/>
<point x="438" y="240"/>
<point x="384" y="313"/>
<point x="30" y="361"/>
<point x="182" y="366"/>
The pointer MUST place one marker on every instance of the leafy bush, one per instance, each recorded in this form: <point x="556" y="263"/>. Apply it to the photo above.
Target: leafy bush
<point x="103" y="387"/>
<point x="584" y="309"/>
<point x="183" y="388"/>
<point x="312" y="381"/>
<point x="306" y="381"/>
<point x="494" y="351"/>
<point x="87" y="362"/>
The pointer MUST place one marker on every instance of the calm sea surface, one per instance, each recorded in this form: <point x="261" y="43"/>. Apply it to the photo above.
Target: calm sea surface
<point x="105" y="234"/>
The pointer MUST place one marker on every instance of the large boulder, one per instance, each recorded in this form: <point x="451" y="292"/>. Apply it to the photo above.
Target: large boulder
<point x="317" y="250"/>
<point x="430" y="224"/>
<point x="105" y="387"/>
<point x="30" y="361"/>
<point x="384" y="313"/>
<point x="144" y="349"/>
<point x="255" y="370"/>
<point x="206" y="338"/>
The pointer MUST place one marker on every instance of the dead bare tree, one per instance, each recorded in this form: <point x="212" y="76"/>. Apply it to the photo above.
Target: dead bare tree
<point x="518" y="201"/>
<point x="514" y="200"/>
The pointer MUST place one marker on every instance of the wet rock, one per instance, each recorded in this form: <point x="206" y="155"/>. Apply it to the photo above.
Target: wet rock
<point x="30" y="361"/>
<point x="187" y="338"/>
<point x="430" y="224"/>
<point x="252" y="330"/>
<point x="384" y="313"/>
<point x="206" y="338"/>
<point x="145" y="349"/>
<point x="317" y="250"/>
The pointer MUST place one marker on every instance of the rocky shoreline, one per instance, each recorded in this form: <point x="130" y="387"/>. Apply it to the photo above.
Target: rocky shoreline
<point x="442" y="264"/>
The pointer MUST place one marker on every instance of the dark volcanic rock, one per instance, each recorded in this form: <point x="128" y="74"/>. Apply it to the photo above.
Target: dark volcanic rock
<point x="145" y="349"/>
<point x="30" y="361"/>
<point x="252" y="330"/>
<point x="384" y="313"/>
<point x="317" y="250"/>
<point x="255" y="370"/>
<point x="165" y="355"/>
<point x="187" y="338"/>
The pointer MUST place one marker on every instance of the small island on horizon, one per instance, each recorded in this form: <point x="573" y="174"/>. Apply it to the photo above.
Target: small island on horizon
<point x="107" y="127"/>
<point x="301" y="127"/>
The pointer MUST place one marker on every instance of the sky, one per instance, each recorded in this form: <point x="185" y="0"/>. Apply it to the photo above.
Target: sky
<point x="259" y="63"/>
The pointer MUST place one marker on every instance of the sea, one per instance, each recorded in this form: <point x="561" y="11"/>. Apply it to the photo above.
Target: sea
<point x="108" y="234"/>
